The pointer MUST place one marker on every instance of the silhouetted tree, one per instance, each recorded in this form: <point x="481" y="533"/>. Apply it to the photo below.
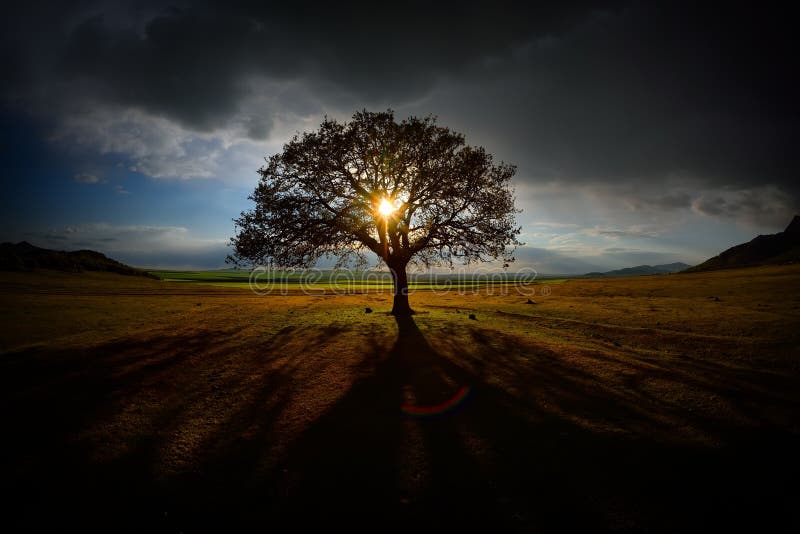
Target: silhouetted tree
<point x="409" y="192"/>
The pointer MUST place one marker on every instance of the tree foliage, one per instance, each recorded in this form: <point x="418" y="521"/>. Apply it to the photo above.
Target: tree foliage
<point x="321" y="197"/>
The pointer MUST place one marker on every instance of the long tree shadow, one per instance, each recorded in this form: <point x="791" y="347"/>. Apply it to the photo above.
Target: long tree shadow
<point x="421" y="439"/>
<point x="494" y="461"/>
<point x="368" y="459"/>
<point x="146" y="396"/>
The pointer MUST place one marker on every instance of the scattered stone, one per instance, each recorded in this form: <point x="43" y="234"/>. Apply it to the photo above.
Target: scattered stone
<point x="368" y="310"/>
<point x="472" y="316"/>
<point x="715" y="299"/>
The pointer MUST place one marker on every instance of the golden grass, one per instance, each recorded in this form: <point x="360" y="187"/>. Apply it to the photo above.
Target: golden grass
<point x="173" y="379"/>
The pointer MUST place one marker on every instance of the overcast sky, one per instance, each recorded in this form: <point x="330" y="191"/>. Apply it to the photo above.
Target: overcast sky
<point x="642" y="133"/>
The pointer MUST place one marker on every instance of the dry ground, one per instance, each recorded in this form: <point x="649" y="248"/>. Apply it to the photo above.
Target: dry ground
<point x="663" y="404"/>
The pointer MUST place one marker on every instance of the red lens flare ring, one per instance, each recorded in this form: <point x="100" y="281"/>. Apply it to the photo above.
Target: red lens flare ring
<point x="449" y="404"/>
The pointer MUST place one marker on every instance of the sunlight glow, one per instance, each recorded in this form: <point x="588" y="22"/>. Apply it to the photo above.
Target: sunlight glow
<point x="386" y="207"/>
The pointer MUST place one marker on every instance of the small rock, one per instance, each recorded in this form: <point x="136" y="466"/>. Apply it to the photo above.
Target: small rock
<point x="472" y="316"/>
<point x="530" y="302"/>
<point x="368" y="310"/>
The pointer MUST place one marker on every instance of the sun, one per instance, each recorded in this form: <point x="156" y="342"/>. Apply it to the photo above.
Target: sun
<point x="386" y="208"/>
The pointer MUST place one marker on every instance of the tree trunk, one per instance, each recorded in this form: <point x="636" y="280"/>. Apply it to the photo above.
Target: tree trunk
<point x="400" y="280"/>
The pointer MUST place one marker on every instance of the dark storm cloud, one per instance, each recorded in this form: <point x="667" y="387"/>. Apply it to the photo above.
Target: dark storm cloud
<point x="764" y="204"/>
<point x="612" y="93"/>
<point x="648" y="93"/>
<point x="196" y="63"/>
<point x="666" y="202"/>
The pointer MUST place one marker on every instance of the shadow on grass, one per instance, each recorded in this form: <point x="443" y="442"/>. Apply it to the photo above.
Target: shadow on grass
<point x="216" y="415"/>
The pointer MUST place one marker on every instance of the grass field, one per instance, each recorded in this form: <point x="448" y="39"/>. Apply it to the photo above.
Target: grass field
<point x="656" y="403"/>
<point x="346" y="281"/>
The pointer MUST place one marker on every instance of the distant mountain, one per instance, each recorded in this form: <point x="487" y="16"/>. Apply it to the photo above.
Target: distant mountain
<point x="641" y="269"/>
<point x="26" y="257"/>
<point x="773" y="249"/>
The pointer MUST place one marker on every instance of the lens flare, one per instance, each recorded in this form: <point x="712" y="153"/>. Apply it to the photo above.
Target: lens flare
<point x="449" y="404"/>
<point x="385" y="208"/>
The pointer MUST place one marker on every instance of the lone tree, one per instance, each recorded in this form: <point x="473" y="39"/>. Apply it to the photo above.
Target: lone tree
<point x="409" y="192"/>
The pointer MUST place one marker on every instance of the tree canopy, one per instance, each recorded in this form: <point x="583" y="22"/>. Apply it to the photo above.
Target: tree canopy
<point x="408" y="191"/>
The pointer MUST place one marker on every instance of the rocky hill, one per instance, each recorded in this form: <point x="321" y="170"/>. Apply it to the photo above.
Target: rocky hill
<point x="773" y="249"/>
<point x="26" y="257"/>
